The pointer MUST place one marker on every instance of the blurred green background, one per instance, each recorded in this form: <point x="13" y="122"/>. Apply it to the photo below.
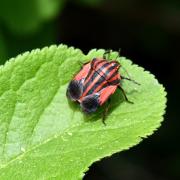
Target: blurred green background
<point x="148" y="32"/>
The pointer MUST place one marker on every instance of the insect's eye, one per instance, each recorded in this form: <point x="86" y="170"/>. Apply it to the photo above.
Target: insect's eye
<point x="74" y="90"/>
<point x="90" y="103"/>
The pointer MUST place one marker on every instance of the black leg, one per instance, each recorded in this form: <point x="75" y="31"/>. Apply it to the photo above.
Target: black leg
<point x="122" y="77"/>
<point x="124" y="94"/>
<point x="106" y="111"/>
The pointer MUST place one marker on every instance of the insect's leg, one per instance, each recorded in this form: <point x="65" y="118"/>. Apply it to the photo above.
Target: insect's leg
<point x="106" y="111"/>
<point x="129" y="79"/>
<point x="124" y="94"/>
<point x="107" y="52"/>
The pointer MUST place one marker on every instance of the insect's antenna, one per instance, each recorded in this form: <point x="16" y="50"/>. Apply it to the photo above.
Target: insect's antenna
<point x="107" y="53"/>
<point x="119" y="51"/>
<point x="129" y="79"/>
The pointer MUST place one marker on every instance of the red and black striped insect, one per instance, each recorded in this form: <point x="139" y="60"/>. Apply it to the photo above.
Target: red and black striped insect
<point x="93" y="85"/>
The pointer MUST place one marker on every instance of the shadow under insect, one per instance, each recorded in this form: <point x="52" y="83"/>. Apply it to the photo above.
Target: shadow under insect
<point x="102" y="113"/>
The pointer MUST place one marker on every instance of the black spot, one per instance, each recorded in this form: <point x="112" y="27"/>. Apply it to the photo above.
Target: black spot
<point x="90" y="103"/>
<point x="74" y="90"/>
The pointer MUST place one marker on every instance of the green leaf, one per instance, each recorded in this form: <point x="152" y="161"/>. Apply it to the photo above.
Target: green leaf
<point x="44" y="136"/>
<point x="27" y="16"/>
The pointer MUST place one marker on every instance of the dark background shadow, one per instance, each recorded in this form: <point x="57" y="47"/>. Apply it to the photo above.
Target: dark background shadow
<point x="148" y="32"/>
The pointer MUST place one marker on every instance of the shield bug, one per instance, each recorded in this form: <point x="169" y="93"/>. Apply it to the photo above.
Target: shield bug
<point x="93" y="85"/>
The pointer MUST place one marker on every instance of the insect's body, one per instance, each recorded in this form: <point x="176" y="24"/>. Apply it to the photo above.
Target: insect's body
<point x="95" y="83"/>
<point x="101" y="74"/>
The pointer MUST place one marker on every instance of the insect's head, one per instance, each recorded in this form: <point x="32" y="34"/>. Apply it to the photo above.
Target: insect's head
<point x="115" y="64"/>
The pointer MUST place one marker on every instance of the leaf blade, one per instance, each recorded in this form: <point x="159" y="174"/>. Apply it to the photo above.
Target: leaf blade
<point x="51" y="132"/>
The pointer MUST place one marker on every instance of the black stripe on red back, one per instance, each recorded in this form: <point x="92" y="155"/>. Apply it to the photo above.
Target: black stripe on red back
<point x="95" y="74"/>
<point x="102" y="78"/>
